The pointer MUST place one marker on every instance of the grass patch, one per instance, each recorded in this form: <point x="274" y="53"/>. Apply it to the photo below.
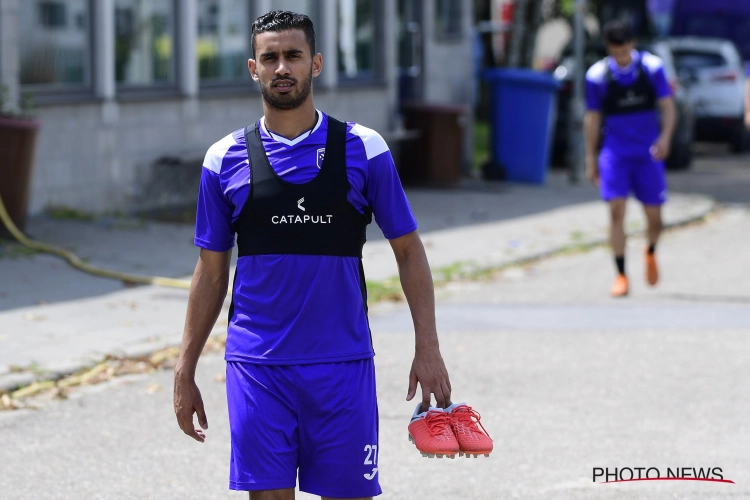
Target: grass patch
<point x="386" y="290"/>
<point x="68" y="213"/>
<point x="481" y="144"/>
<point x="14" y="250"/>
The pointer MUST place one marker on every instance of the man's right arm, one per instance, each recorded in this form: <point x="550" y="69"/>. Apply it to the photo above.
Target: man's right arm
<point x="592" y="125"/>
<point x="207" y="293"/>
<point x="747" y="101"/>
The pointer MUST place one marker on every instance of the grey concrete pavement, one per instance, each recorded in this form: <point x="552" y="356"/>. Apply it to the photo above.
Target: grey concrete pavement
<point x="560" y="396"/>
<point x="54" y="319"/>
<point x="717" y="172"/>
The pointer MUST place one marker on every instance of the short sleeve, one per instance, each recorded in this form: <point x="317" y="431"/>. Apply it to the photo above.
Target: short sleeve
<point x="593" y="96"/>
<point x="213" y="218"/>
<point x="660" y="83"/>
<point x="386" y="196"/>
<point x="595" y="86"/>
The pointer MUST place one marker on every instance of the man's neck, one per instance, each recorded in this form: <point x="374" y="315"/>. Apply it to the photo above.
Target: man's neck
<point x="291" y="123"/>
<point x="627" y="65"/>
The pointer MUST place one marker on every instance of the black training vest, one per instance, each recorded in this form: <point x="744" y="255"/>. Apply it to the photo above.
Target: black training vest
<point x="622" y="99"/>
<point x="318" y="218"/>
<point x="314" y="218"/>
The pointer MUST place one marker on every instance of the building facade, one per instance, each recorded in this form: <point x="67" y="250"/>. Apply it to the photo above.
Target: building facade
<point x="130" y="93"/>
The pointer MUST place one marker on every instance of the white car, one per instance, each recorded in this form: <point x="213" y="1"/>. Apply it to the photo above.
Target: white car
<point x="714" y="74"/>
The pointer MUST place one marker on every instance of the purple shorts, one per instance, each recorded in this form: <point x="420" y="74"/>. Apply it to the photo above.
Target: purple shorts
<point x="318" y="419"/>
<point x="644" y="177"/>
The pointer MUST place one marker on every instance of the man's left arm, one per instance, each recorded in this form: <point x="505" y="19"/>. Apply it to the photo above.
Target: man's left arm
<point x="665" y="99"/>
<point x="747" y="101"/>
<point x="428" y="368"/>
<point x="394" y="216"/>
<point x="660" y="149"/>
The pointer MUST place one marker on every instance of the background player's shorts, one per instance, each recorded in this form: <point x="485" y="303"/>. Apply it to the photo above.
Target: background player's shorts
<point x="320" y="418"/>
<point x="644" y="177"/>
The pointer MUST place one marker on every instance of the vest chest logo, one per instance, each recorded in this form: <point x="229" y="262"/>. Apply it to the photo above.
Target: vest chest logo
<point x="320" y="156"/>
<point x="631" y="100"/>
<point x="301" y="219"/>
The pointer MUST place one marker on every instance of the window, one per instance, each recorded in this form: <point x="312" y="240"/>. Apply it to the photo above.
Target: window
<point x="223" y="46"/>
<point x="144" y="42"/>
<point x="695" y="59"/>
<point x="52" y="14"/>
<point x="55" y="46"/>
<point x="448" y="15"/>
<point x="357" y="35"/>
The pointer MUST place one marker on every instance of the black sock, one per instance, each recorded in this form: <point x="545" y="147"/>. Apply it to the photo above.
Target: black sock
<point x="651" y="248"/>
<point x="620" y="261"/>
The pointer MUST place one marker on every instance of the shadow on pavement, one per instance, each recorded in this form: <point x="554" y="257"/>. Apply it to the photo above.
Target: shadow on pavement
<point x="715" y="172"/>
<point x="166" y="249"/>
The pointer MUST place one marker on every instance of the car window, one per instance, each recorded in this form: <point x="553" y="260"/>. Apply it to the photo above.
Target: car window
<point x="695" y="59"/>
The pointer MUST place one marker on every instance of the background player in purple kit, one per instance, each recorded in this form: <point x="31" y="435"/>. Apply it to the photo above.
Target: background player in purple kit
<point x="298" y="188"/>
<point x="623" y="94"/>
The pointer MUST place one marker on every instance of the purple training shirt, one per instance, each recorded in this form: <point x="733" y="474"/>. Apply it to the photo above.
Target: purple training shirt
<point x="297" y="309"/>
<point x="627" y="135"/>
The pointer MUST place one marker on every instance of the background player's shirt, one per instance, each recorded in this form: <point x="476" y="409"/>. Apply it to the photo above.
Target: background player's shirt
<point x="295" y="309"/>
<point x="627" y="135"/>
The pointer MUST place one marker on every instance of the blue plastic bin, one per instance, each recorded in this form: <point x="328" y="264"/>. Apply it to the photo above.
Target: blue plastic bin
<point x="522" y="115"/>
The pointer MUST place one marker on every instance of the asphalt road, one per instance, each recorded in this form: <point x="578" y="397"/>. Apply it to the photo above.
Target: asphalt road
<point x="566" y="380"/>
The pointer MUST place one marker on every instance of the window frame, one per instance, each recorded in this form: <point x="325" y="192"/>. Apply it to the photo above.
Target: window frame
<point x="230" y="87"/>
<point x="130" y="92"/>
<point x="56" y="93"/>
<point x="377" y="78"/>
<point x="448" y="36"/>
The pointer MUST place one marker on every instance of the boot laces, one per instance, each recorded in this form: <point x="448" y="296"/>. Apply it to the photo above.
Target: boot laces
<point x="438" y="422"/>
<point x="468" y="418"/>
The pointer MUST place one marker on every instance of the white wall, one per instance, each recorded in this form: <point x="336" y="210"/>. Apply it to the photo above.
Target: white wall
<point x="447" y="62"/>
<point x="99" y="155"/>
<point x="449" y="74"/>
<point x="96" y="163"/>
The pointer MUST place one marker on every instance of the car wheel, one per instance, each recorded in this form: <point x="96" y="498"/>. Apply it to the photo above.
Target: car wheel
<point x="741" y="139"/>
<point x="681" y="157"/>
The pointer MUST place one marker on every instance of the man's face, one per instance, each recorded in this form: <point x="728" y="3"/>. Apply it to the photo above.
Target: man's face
<point x="621" y="53"/>
<point x="284" y="68"/>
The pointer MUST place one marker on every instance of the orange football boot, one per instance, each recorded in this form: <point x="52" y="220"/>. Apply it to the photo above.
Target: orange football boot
<point x="431" y="433"/>
<point x="620" y="286"/>
<point x="652" y="270"/>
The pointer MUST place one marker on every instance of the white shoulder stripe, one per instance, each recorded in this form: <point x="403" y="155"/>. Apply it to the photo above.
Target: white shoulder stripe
<point x="652" y="62"/>
<point x="596" y="73"/>
<point x="215" y="154"/>
<point x="374" y="142"/>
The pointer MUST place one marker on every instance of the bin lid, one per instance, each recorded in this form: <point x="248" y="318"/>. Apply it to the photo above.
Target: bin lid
<point x="526" y="77"/>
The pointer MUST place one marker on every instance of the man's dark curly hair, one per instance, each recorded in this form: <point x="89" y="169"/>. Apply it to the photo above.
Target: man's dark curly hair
<point x="283" y="20"/>
<point x="617" y="33"/>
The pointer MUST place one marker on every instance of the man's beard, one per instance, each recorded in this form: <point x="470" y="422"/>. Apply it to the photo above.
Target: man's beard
<point x="290" y="100"/>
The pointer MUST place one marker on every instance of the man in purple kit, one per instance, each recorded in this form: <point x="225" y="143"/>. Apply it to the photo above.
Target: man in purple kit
<point x="298" y="189"/>
<point x="623" y="92"/>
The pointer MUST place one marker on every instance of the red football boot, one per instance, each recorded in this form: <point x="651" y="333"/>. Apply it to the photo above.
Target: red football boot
<point x="432" y="433"/>
<point x="471" y="435"/>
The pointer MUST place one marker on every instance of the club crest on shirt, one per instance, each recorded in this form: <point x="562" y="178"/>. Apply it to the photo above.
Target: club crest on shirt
<point x="320" y="157"/>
